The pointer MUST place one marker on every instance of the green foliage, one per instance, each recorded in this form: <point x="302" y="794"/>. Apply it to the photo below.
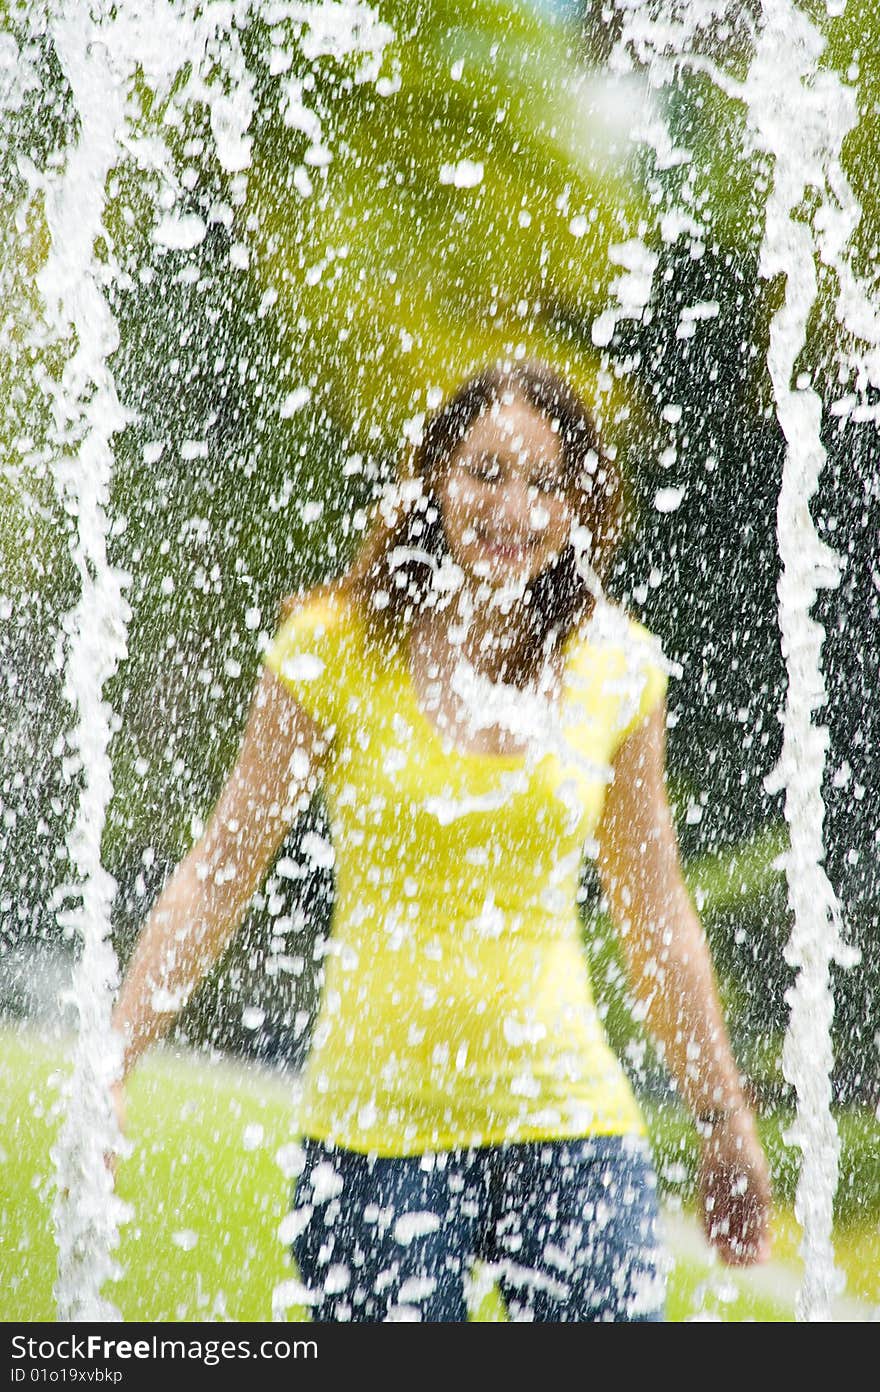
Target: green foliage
<point x="851" y="52"/>
<point x="34" y="126"/>
<point x="472" y="189"/>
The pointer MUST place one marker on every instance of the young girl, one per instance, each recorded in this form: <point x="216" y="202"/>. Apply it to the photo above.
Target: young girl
<point x="479" y="717"/>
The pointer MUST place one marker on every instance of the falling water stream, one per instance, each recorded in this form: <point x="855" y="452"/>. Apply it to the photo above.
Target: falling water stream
<point x="801" y="118"/>
<point x="797" y="116"/>
<point x="99" y="53"/>
<point x="87" y="409"/>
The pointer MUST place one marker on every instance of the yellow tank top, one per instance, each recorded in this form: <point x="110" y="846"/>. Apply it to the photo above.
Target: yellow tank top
<point x="457" y="1009"/>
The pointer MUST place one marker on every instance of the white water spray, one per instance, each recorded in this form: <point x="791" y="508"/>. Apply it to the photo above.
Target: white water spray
<point x="100" y="49"/>
<point x="99" y="55"/>
<point x="87" y="414"/>
<point x="798" y="115"/>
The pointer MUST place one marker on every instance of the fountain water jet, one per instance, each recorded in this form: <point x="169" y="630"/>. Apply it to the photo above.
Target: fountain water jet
<point x="99" y="54"/>
<point x="87" y="1214"/>
<point x="797" y="115"/>
<point x="800" y="119"/>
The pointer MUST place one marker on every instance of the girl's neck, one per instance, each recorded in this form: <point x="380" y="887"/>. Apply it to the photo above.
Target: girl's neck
<point x="489" y="631"/>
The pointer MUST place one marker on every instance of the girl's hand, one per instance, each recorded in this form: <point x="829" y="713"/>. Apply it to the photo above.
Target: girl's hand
<point x="734" y="1190"/>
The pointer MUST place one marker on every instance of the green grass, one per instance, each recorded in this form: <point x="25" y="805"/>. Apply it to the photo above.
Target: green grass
<point x="208" y="1192"/>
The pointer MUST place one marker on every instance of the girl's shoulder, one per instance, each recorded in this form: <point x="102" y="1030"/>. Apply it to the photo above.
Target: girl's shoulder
<point x="611" y="635"/>
<point x="617" y="670"/>
<point x="327" y="606"/>
<point x="327" y="617"/>
<point x="317" y="649"/>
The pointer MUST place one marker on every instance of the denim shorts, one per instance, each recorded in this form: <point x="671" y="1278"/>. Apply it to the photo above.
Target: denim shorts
<point x="568" y="1229"/>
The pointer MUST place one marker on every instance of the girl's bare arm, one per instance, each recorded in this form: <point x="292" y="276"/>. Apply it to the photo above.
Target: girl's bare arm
<point x="674" y="984"/>
<point x="205" y="899"/>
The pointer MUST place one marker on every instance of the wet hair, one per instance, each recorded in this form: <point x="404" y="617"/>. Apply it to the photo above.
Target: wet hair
<point x="392" y="576"/>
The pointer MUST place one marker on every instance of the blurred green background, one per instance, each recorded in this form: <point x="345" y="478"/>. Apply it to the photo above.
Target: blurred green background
<point x="459" y="185"/>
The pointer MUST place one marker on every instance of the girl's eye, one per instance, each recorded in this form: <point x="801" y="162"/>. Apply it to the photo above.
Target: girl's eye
<point x="485" y="470"/>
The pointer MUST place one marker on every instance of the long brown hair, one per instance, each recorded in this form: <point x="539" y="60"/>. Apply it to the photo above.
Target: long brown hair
<point x="391" y="577"/>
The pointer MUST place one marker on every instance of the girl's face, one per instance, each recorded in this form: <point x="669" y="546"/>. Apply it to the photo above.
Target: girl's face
<point x="504" y="510"/>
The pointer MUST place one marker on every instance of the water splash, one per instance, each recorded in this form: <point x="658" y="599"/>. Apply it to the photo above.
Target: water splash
<point x="801" y="116"/>
<point x="87" y="413"/>
<point x="99" y="54"/>
<point x="798" y="115"/>
<point x="183" y="52"/>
